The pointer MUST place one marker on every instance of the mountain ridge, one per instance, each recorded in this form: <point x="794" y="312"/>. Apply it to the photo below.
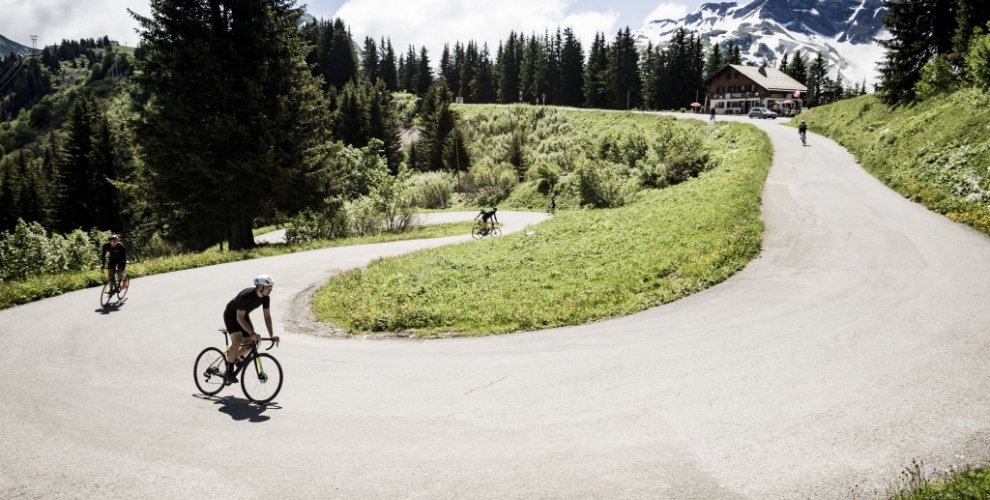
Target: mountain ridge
<point x="7" y="46"/>
<point x="765" y="30"/>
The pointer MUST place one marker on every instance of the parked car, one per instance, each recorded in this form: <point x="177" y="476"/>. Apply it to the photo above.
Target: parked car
<point x="761" y="113"/>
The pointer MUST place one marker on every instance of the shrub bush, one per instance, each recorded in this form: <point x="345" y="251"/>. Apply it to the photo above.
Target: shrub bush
<point x="29" y="250"/>
<point x="431" y="190"/>
<point x="491" y="182"/>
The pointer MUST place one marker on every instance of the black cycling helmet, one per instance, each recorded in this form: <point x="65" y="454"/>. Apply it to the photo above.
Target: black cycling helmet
<point x="113" y="237"/>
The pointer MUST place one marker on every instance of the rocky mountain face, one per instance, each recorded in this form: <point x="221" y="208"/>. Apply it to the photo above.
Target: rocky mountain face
<point x="843" y="30"/>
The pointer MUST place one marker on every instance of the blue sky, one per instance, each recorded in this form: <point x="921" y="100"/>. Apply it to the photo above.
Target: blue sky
<point x="417" y="22"/>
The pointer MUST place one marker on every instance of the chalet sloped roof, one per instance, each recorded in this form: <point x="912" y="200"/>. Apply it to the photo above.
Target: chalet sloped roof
<point x="768" y="77"/>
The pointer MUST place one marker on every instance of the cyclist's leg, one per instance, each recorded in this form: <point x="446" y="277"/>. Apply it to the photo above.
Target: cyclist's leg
<point x="111" y="272"/>
<point x="236" y="339"/>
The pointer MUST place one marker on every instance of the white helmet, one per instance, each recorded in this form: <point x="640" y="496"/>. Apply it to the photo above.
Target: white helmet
<point x="263" y="280"/>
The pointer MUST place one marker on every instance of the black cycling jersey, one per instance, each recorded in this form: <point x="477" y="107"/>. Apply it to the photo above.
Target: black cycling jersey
<point x="487" y="215"/>
<point x="802" y="127"/>
<point x="118" y="254"/>
<point x="246" y="300"/>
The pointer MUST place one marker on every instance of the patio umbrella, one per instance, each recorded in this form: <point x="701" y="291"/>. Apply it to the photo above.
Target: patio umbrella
<point x="695" y="104"/>
<point x="788" y="102"/>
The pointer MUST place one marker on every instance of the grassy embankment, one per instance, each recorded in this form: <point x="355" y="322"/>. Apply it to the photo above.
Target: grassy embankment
<point x="583" y="265"/>
<point x="39" y="287"/>
<point x="935" y="152"/>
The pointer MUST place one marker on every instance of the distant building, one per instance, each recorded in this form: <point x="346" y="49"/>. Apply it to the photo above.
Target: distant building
<point x="734" y="89"/>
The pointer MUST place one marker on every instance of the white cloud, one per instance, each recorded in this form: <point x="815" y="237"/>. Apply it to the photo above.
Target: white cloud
<point x="431" y="23"/>
<point x="667" y="10"/>
<point x="56" y="20"/>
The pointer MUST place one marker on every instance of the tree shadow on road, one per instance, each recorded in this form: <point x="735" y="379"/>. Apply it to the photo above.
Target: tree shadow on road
<point x="241" y="409"/>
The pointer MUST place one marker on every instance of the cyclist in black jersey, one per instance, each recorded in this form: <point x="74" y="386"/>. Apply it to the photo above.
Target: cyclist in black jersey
<point x="238" y="323"/>
<point x="487" y="218"/>
<point x="117" y="261"/>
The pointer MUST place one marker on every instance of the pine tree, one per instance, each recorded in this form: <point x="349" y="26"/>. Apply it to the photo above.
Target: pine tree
<point x="646" y="69"/>
<point x="571" y="70"/>
<point x="623" y="82"/>
<point x="77" y="177"/>
<point x="469" y="71"/>
<point x="371" y="65"/>
<point x="596" y="71"/>
<point x="508" y="70"/>
<point x="798" y="68"/>
<point x="971" y="16"/>
<point x="551" y="67"/>
<point x="714" y="62"/>
<point x="920" y="30"/>
<point x="484" y="86"/>
<point x="233" y="118"/>
<point x="446" y="69"/>
<point x="388" y="67"/>
<point x="437" y="121"/>
<point x="817" y="80"/>
<point x="424" y="74"/>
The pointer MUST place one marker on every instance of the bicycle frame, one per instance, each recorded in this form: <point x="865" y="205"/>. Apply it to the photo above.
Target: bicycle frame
<point x="252" y="355"/>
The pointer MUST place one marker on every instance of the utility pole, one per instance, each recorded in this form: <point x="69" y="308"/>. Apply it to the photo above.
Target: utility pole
<point x="34" y="42"/>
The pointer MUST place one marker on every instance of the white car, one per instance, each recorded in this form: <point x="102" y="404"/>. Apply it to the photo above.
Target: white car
<point x="759" y="112"/>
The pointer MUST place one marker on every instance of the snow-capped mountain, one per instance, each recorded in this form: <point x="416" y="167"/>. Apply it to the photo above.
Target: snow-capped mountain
<point x="765" y="30"/>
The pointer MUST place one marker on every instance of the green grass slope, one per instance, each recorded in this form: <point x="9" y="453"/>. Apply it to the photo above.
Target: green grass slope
<point x="582" y="266"/>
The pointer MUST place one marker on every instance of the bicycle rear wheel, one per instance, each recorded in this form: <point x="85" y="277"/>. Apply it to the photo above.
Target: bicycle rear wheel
<point x="261" y="378"/>
<point x="208" y="371"/>
<point x="105" y="295"/>
<point x="121" y="289"/>
<point x="476" y="233"/>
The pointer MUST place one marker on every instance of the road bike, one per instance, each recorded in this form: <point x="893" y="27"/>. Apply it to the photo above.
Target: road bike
<point x="480" y="231"/>
<point x="119" y="287"/>
<point x="260" y="373"/>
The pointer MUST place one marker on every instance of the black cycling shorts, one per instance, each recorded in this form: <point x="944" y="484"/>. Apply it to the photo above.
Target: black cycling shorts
<point x="231" y="324"/>
<point x="116" y="264"/>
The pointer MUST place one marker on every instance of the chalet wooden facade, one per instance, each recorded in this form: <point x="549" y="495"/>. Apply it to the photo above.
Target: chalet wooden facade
<point x="735" y="89"/>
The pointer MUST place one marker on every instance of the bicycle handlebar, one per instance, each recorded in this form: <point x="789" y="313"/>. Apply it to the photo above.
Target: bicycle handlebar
<point x="273" y="341"/>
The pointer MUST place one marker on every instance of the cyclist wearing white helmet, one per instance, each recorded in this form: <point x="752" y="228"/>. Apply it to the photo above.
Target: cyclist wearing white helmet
<point x="238" y="323"/>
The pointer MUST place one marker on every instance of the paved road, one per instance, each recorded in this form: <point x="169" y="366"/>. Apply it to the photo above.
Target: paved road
<point x="856" y="342"/>
<point x="278" y="235"/>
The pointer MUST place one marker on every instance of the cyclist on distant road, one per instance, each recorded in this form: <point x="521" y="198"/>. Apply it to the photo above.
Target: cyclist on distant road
<point x="117" y="261"/>
<point x="803" y="131"/>
<point x="487" y="219"/>
<point x="238" y="323"/>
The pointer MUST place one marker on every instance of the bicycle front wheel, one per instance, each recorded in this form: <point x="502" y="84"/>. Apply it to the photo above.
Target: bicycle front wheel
<point x="261" y="378"/>
<point x="208" y="371"/>
<point x="495" y="232"/>
<point x="105" y="295"/>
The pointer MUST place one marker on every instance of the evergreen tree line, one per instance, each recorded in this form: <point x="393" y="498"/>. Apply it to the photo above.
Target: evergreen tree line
<point x="243" y="114"/>
<point x="25" y="80"/>
<point x="935" y="46"/>
<point x="69" y="181"/>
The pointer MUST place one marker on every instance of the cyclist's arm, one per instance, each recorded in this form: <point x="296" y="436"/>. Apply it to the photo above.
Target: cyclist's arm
<point x="103" y="255"/>
<point x="268" y="322"/>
